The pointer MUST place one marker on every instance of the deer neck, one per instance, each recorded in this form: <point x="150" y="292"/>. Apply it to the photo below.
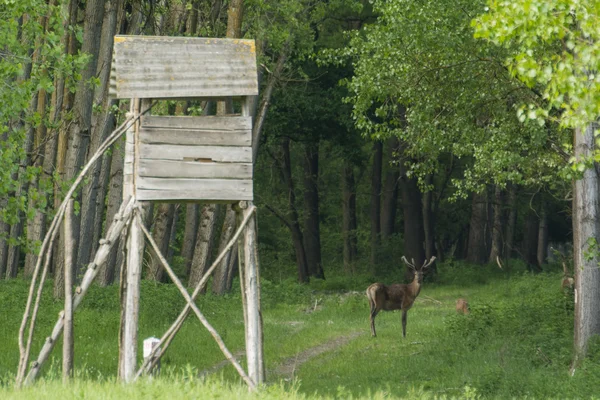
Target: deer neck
<point x="415" y="285"/>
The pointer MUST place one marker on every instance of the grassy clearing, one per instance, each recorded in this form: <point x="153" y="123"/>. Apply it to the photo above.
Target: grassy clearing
<point x="515" y="343"/>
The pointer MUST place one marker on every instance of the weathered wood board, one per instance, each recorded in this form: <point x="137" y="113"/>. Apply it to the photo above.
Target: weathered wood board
<point x="161" y="67"/>
<point x="194" y="158"/>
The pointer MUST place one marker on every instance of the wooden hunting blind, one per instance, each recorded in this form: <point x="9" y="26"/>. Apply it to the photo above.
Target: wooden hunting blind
<point x="187" y="158"/>
<point x="168" y="158"/>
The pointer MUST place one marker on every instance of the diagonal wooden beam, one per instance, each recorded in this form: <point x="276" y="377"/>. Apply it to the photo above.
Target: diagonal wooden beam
<point x="194" y="307"/>
<point x="120" y="221"/>
<point x="168" y="336"/>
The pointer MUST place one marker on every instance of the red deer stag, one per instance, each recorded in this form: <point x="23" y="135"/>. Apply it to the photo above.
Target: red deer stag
<point x="396" y="296"/>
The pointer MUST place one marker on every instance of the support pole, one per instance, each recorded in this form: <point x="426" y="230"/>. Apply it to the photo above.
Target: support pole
<point x="254" y="336"/>
<point x="68" y="342"/>
<point x="135" y="246"/>
<point x="135" y="243"/>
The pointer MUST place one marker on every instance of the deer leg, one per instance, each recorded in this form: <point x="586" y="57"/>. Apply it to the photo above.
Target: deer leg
<point x="404" y="323"/>
<point x="374" y="312"/>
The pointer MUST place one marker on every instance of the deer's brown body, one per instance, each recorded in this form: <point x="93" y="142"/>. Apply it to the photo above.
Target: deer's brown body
<point x="395" y="297"/>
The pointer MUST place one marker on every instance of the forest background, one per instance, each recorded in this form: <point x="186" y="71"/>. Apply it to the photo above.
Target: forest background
<point x="442" y="128"/>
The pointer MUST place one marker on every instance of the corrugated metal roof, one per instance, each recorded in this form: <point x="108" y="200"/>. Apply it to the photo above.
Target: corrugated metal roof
<point x="176" y="67"/>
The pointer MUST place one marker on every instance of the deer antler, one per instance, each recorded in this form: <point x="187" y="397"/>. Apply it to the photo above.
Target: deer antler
<point x="411" y="266"/>
<point x="428" y="263"/>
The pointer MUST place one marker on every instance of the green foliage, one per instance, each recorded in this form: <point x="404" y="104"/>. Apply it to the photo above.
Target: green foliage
<point x="32" y="57"/>
<point x="420" y="75"/>
<point x="554" y="45"/>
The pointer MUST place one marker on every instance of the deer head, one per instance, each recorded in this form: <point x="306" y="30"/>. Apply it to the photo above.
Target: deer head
<point x="418" y="272"/>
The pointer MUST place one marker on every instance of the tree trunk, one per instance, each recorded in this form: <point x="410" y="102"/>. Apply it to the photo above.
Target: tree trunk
<point x="114" y="180"/>
<point x="4" y="232"/>
<point x="349" y="217"/>
<point x="79" y="131"/>
<point x="294" y="224"/>
<point x="106" y="276"/>
<point x="312" y="232"/>
<point x="390" y="190"/>
<point x="498" y="207"/>
<point x="204" y="244"/>
<point x="102" y="124"/>
<point x="429" y="223"/>
<point x="36" y="225"/>
<point x="265" y="102"/>
<point x="586" y="231"/>
<point x="192" y="23"/>
<point x="477" y="251"/>
<point x="542" y="244"/>
<point x="530" y="239"/>
<point x="163" y="224"/>
<point x="234" y="30"/>
<point x="16" y="230"/>
<point x="375" y="208"/>
<point x="189" y="236"/>
<point x="413" y="219"/>
<point x="72" y="46"/>
<point x="221" y="274"/>
<point x="509" y="235"/>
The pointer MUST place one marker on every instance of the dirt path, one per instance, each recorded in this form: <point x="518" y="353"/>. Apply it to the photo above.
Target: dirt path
<point x="287" y="368"/>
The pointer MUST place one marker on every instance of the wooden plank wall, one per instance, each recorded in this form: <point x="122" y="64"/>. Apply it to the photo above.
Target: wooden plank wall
<point x="195" y="158"/>
<point x="182" y="67"/>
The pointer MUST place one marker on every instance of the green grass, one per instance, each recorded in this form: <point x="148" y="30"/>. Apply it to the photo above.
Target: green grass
<point x="516" y="342"/>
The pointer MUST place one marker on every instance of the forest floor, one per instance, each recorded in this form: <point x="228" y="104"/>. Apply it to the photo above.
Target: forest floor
<point x="516" y="343"/>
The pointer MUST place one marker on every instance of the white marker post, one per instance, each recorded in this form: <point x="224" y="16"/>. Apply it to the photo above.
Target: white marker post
<point x="149" y="345"/>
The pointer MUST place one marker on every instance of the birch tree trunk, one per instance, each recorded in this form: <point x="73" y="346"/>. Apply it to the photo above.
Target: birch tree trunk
<point x="586" y="231"/>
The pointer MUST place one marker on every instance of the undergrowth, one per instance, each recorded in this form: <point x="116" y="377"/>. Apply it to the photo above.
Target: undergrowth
<point x="516" y="342"/>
